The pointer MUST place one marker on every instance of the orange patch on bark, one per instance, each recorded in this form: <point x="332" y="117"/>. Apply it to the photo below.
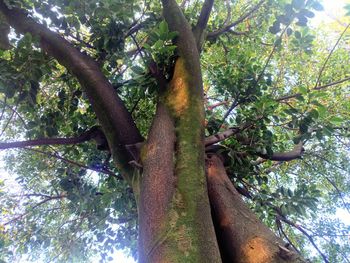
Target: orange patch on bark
<point x="257" y="251"/>
<point x="179" y="98"/>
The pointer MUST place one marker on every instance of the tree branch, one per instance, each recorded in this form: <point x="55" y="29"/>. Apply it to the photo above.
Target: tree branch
<point x="202" y="22"/>
<point x="285" y="220"/>
<point x="86" y="136"/>
<point x="115" y="120"/>
<point x="227" y="204"/>
<point x="287" y="97"/>
<point x="215" y="34"/>
<point x="278" y="156"/>
<point x="35" y="206"/>
<point x="105" y="171"/>
<point x="285" y="156"/>
<point x="330" y="54"/>
<point x="221" y="136"/>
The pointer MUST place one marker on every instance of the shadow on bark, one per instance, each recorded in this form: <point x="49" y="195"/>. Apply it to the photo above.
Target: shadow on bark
<point x="242" y="237"/>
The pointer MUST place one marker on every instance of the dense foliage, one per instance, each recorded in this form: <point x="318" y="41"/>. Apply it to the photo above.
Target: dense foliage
<point x="281" y="82"/>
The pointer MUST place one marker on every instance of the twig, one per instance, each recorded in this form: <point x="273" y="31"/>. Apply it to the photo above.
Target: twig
<point x="285" y="220"/>
<point x="105" y="171"/>
<point x="330" y="54"/>
<point x="216" y="33"/>
<point x="316" y="88"/>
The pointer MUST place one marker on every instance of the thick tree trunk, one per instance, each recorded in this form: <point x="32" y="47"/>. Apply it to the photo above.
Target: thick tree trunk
<point x="174" y="210"/>
<point x="174" y="214"/>
<point x="242" y="237"/>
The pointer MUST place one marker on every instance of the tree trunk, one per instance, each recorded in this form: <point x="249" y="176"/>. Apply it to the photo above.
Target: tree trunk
<point x="242" y="237"/>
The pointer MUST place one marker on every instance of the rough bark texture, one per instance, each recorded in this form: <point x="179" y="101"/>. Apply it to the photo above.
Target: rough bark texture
<point x="175" y="223"/>
<point x="242" y="237"/>
<point x="195" y="235"/>
<point x="157" y="190"/>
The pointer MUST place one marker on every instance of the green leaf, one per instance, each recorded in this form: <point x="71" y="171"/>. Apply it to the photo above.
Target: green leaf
<point x="307" y="13"/>
<point x="322" y="110"/>
<point x="314" y="114"/>
<point x="297" y="4"/>
<point x="319" y="135"/>
<point x="297" y="34"/>
<point x="317" y="6"/>
<point x="327" y="130"/>
<point x="336" y="120"/>
<point x="302" y="20"/>
<point x="347" y="8"/>
<point x="138" y="70"/>
<point x="275" y="28"/>
<point x="163" y="28"/>
<point x="303" y="90"/>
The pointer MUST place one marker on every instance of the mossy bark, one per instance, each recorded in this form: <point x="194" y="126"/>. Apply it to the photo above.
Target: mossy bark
<point x="175" y="219"/>
<point x="174" y="211"/>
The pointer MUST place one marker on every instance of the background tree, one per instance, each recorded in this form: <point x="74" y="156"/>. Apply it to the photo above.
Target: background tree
<point x="151" y="120"/>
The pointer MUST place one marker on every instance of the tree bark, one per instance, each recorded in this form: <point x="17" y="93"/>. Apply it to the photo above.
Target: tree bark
<point x="157" y="188"/>
<point x="175" y="220"/>
<point x="242" y="237"/>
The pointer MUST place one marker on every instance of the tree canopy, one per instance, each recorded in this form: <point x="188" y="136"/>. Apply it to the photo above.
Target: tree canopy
<point x="80" y="82"/>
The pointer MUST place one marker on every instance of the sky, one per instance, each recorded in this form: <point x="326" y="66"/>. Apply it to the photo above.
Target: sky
<point x="332" y="10"/>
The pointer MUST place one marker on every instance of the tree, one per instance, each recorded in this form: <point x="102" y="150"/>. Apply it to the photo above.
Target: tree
<point x="198" y="104"/>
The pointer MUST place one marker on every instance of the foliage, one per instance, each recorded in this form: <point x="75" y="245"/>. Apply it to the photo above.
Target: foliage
<point x="277" y="75"/>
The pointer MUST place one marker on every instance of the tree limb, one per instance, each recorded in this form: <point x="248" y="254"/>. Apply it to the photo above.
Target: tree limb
<point x="302" y="230"/>
<point x="86" y="136"/>
<point x="285" y="156"/>
<point x="278" y="156"/>
<point x="103" y="170"/>
<point x="330" y="54"/>
<point x="229" y="211"/>
<point x="35" y="206"/>
<point x="111" y="112"/>
<point x="221" y="136"/>
<point x="287" y="97"/>
<point x="202" y="22"/>
<point x="215" y="34"/>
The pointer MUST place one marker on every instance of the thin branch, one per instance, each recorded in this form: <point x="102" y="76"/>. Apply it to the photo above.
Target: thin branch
<point x="330" y="54"/>
<point x="287" y="97"/>
<point x="270" y="55"/>
<point x="213" y="106"/>
<point x="35" y="206"/>
<point x="232" y="107"/>
<point x="14" y="111"/>
<point x="285" y="220"/>
<point x="227" y="28"/>
<point x="339" y="193"/>
<point x="280" y="227"/>
<point x="329" y="162"/>
<point x="329" y="180"/>
<point x="228" y="17"/>
<point x="12" y="114"/>
<point x="3" y="108"/>
<point x="105" y="171"/>
<point x="281" y="217"/>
